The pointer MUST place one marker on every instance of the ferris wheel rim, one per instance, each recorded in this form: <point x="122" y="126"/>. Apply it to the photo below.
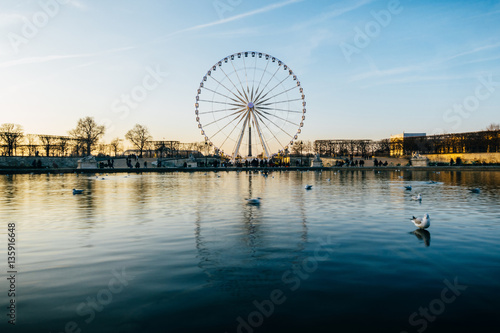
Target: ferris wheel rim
<point x="257" y="107"/>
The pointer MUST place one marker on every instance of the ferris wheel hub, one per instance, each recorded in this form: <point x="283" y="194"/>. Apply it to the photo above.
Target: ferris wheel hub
<point x="250" y="105"/>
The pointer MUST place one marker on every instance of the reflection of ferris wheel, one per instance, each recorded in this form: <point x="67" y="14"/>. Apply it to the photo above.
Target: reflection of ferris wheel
<point x="250" y="100"/>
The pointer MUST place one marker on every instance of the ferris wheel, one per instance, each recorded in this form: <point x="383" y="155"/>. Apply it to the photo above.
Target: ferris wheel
<point x="250" y="104"/>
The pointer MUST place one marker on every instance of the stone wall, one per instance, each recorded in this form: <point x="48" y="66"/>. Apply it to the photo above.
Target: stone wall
<point x="27" y="161"/>
<point x="466" y="158"/>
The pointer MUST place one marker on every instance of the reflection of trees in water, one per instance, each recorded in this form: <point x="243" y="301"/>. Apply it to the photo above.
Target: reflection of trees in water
<point x="9" y="189"/>
<point x="240" y="258"/>
<point x="86" y="204"/>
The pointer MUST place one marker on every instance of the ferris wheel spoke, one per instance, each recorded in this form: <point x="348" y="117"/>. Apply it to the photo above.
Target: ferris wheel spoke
<point x="220" y="110"/>
<point x="218" y="93"/>
<point x="273" y="115"/>
<point x="272" y="122"/>
<point x="220" y="130"/>
<point x="285" y="101"/>
<point x="276" y="109"/>
<point x="267" y="93"/>
<point x="238" y="97"/>
<point x="269" y="98"/>
<point x="263" y="89"/>
<point x="235" y="126"/>
<point x="225" y="103"/>
<point x="277" y="140"/>
<point x="241" y="84"/>
<point x="246" y="76"/>
<point x="263" y="72"/>
<point x="254" y="70"/>
<point x="229" y="115"/>
<point x="238" y="90"/>
<point x="251" y="95"/>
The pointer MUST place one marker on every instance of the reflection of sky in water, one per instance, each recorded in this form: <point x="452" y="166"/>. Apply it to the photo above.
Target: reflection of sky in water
<point x="201" y="256"/>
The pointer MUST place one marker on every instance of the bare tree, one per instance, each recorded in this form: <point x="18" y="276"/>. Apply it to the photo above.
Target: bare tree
<point x="88" y="131"/>
<point x="308" y="147"/>
<point x="11" y="135"/>
<point x="493" y="127"/>
<point x="116" y="145"/>
<point x="62" y="144"/>
<point x="139" y="136"/>
<point x="31" y="143"/>
<point x="48" y="142"/>
<point x="384" y="146"/>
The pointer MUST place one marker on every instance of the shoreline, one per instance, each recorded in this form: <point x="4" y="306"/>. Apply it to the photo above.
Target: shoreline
<point x="8" y="171"/>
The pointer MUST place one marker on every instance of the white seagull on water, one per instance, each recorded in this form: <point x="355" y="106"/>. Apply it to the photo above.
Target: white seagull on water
<point x="417" y="198"/>
<point x="422" y="223"/>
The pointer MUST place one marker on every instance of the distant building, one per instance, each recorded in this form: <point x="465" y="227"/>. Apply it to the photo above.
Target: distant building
<point x="397" y="142"/>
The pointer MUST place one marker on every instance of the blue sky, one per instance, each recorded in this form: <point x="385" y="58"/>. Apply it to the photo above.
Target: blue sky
<point x="369" y="69"/>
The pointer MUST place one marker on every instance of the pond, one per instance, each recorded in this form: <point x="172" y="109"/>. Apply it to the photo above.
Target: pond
<point x="185" y="252"/>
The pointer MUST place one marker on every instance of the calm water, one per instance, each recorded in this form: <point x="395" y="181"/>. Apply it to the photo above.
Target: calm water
<point x="183" y="252"/>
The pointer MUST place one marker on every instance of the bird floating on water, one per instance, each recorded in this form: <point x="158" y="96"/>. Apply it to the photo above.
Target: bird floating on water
<point x="75" y="191"/>
<point x="308" y="187"/>
<point x="328" y="179"/>
<point x="432" y="182"/>
<point x="253" y="201"/>
<point x="417" y="197"/>
<point x="475" y="190"/>
<point x="422" y="223"/>
<point x="408" y="188"/>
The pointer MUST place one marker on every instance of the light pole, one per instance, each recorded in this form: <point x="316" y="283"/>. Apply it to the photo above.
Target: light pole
<point x="301" y="145"/>
<point x="206" y="155"/>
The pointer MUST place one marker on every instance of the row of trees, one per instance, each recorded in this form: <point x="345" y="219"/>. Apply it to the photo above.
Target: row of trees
<point x="351" y="147"/>
<point x="84" y="139"/>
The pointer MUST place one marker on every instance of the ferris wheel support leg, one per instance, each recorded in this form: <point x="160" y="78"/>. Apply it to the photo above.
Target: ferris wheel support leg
<point x="262" y="142"/>
<point x="238" y="143"/>
<point x="249" y="139"/>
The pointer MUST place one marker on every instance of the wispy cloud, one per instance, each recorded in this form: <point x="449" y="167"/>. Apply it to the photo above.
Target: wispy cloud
<point x="79" y="4"/>
<point x="235" y="18"/>
<point x="376" y="73"/>
<point x="414" y="72"/>
<point x="9" y="19"/>
<point x="475" y="50"/>
<point x="48" y="58"/>
<point x="335" y="12"/>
